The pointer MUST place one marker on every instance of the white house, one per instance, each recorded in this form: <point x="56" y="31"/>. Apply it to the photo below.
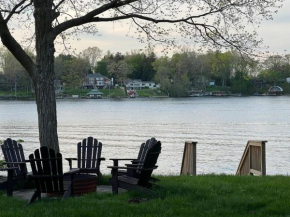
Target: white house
<point x="137" y="84"/>
<point x="288" y="80"/>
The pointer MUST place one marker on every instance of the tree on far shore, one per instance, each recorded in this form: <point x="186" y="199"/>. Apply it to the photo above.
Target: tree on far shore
<point x="208" y="23"/>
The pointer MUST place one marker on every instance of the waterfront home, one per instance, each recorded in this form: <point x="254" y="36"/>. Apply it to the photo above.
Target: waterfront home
<point x="95" y="94"/>
<point x="138" y="84"/>
<point x="96" y="80"/>
<point x="58" y="87"/>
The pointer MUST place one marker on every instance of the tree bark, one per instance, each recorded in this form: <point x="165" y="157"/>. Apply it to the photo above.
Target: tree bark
<point x="44" y="85"/>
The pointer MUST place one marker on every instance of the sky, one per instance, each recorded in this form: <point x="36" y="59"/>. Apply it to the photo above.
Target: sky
<point x="275" y="34"/>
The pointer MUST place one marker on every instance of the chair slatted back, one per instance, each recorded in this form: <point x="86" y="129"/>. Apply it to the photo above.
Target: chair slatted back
<point x="89" y="150"/>
<point x="149" y="164"/>
<point x="13" y="152"/>
<point x="47" y="167"/>
<point x="145" y="147"/>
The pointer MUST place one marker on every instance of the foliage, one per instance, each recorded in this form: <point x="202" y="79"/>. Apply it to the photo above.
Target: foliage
<point x="91" y="55"/>
<point x="172" y="74"/>
<point x="14" y="75"/>
<point x="149" y="93"/>
<point x="241" y="83"/>
<point x="119" y="70"/>
<point x="71" y="70"/>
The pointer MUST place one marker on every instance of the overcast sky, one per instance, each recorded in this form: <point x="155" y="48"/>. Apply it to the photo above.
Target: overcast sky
<point x="275" y="34"/>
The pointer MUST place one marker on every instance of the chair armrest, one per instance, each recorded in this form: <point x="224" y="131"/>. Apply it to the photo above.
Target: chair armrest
<point x="117" y="159"/>
<point x="132" y="168"/>
<point x="71" y="158"/>
<point x="10" y="168"/>
<point x="102" y="158"/>
<point x="72" y="171"/>
<point x="134" y="165"/>
<point x="117" y="167"/>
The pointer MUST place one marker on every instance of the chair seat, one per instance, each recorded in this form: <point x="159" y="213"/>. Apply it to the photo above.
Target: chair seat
<point x="128" y="179"/>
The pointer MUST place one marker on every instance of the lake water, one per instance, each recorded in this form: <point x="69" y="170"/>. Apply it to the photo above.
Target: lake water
<point x="221" y="126"/>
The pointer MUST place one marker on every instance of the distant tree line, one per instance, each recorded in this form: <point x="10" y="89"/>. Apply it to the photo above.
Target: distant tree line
<point x="177" y="74"/>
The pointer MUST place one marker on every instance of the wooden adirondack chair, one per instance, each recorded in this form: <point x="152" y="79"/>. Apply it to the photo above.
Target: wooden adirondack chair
<point x="89" y="156"/>
<point x="48" y="174"/>
<point x="139" y="160"/>
<point x="14" y="158"/>
<point x="141" y="183"/>
<point x="7" y="182"/>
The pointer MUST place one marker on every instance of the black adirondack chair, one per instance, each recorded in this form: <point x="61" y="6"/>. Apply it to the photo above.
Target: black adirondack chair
<point x="139" y="160"/>
<point x="6" y="182"/>
<point x="88" y="156"/>
<point x="140" y="183"/>
<point x="14" y="158"/>
<point x="48" y="174"/>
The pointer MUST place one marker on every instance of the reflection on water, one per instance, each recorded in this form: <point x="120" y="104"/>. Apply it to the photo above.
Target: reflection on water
<point x="221" y="126"/>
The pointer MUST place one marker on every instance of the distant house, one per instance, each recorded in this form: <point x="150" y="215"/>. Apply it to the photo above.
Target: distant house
<point x="212" y="83"/>
<point x="58" y="87"/>
<point x="96" y="80"/>
<point x="138" y="84"/>
<point x="288" y="80"/>
<point x="95" y="94"/>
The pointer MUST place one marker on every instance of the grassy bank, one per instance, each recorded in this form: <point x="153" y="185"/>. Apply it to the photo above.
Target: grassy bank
<point x="150" y="93"/>
<point x="113" y="93"/>
<point x="178" y="196"/>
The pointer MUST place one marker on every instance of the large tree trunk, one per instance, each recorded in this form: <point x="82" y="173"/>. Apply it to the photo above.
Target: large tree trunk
<point x="44" y="79"/>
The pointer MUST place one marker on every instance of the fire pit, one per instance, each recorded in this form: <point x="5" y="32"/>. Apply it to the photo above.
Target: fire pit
<point x="83" y="184"/>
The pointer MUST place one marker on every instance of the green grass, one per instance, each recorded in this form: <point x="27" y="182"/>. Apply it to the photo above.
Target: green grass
<point x="217" y="88"/>
<point x="114" y="93"/>
<point x="19" y="94"/>
<point x="76" y="91"/>
<point x="178" y="196"/>
<point x="150" y="93"/>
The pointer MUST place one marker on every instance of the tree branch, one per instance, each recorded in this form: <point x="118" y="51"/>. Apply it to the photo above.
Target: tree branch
<point x="57" y="6"/>
<point x="13" y="11"/>
<point x="89" y="17"/>
<point x="14" y="47"/>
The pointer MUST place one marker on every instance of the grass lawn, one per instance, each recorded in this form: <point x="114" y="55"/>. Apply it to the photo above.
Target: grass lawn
<point x="150" y="93"/>
<point x="207" y="195"/>
<point x="114" y="93"/>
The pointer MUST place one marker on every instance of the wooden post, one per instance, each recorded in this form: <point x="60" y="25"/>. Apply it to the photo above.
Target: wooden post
<point x="188" y="166"/>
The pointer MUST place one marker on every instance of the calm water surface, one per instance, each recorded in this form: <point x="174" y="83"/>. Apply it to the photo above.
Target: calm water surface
<point x="221" y="126"/>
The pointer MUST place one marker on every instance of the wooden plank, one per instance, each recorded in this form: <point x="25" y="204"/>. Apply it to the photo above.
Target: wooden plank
<point x="34" y="171"/>
<point x="245" y="153"/>
<point x="54" y="170"/>
<point x="95" y="149"/>
<point x="89" y="151"/>
<point x="255" y="172"/>
<point x="84" y="147"/>
<point x="256" y="142"/>
<point x="140" y="151"/>
<point x="60" y="170"/>
<point x="263" y="160"/>
<point x="39" y="170"/>
<point x="79" y="151"/>
<point x="188" y="166"/>
<point x="46" y="168"/>
<point x="99" y="152"/>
